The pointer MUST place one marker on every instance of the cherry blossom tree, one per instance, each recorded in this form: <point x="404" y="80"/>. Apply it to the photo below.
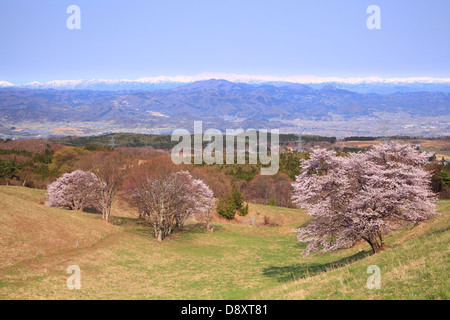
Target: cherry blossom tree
<point x="204" y="201"/>
<point x="168" y="200"/>
<point x="198" y="200"/>
<point x="75" y="191"/>
<point x="362" y="196"/>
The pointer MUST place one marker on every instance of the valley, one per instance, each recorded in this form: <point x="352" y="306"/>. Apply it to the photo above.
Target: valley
<point x="293" y="108"/>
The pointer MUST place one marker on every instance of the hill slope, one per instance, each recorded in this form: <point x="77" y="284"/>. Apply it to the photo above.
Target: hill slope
<point x="416" y="266"/>
<point x="236" y="261"/>
<point x="26" y="226"/>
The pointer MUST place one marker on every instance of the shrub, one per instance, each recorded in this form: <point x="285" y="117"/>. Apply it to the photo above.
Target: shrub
<point x="244" y="210"/>
<point x="273" y="222"/>
<point x="272" y="202"/>
<point x="445" y="178"/>
<point x="226" y="206"/>
<point x="237" y="198"/>
<point x="231" y="203"/>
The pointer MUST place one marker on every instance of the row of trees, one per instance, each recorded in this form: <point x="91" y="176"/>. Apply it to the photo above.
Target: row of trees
<point x="165" y="198"/>
<point x="44" y="163"/>
<point x="352" y="198"/>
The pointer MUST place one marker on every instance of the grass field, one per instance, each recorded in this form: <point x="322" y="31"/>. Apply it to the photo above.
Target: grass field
<point x="236" y="261"/>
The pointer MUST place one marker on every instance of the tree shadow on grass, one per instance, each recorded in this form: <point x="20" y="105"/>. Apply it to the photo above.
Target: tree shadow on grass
<point x="194" y="229"/>
<point x="442" y="230"/>
<point x="143" y="228"/>
<point x="92" y="210"/>
<point x="124" y="221"/>
<point x="304" y="270"/>
<point x="133" y="225"/>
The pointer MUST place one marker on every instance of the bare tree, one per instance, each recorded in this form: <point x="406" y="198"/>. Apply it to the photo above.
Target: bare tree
<point x="159" y="200"/>
<point x="263" y="188"/>
<point x="110" y="168"/>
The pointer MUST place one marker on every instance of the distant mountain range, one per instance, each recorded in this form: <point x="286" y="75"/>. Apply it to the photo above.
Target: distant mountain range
<point x="224" y="104"/>
<point x="212" y="98"/>
<point x="360" y="85"/>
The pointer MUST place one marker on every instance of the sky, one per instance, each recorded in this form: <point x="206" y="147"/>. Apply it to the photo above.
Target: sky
<point x="135" y="39"/>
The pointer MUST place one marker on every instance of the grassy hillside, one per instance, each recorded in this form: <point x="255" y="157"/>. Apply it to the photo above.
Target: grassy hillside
<point x="416" y="266"/>
<point x="26" y="226"/>
<point x="236" y="261"/>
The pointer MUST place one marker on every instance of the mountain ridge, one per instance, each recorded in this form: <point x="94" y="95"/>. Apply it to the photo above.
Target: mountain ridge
<point x="360" y="85"/>
<point x="215" y="98"/>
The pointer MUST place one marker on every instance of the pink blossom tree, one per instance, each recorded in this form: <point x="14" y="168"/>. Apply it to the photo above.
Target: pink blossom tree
<point x="204" y="201"/>
<point x="362" y="196"/>
<point x="75" y="191"/>
<point x="168" y="200"/>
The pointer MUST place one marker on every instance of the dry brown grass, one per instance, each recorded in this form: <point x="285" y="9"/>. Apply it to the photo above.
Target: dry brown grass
<point x="26" y="226"/>
<point x="131" y="264"/>
<point x="277" y="215"/>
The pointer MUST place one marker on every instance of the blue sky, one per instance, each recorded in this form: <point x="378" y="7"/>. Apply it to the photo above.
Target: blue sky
<point x="134" y="39"/>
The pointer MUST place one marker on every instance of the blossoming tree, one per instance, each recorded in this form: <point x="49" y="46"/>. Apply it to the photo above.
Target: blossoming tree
<point x="362" y="196"/>
<point x="205" y="201"/>
<point x="75" y="191"/>
<point x="169" y="200"/>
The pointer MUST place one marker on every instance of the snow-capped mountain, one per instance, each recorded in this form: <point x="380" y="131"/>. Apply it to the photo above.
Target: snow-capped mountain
<point x="356" y="84"/>
<point x="5" y="84"/>
<point x="102" y="85"/>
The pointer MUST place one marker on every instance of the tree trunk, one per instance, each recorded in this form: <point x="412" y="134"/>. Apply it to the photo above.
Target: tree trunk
<point x="208" y="226"/>
<point x="25" y="180"/>
<point x="381" y="247"/>
<point x="108" y="213"/>
<point x="158" y="235"/>
<point x="377" y="245"/>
